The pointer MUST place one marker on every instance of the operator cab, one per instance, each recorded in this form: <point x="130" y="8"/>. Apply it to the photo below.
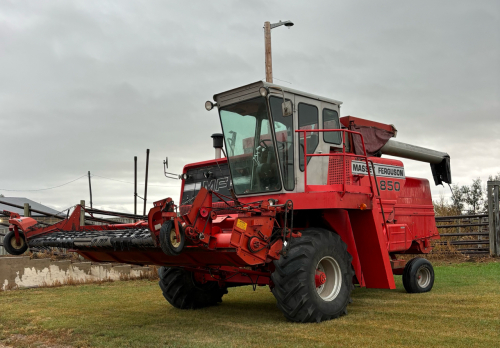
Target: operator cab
<point x="265" y="153"/>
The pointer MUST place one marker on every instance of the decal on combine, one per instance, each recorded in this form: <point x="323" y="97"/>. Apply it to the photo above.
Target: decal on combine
<point x="383" y="170"/>
<point x="213" y="178"/>
<point x="213" y="185"/>
<point x="241" y="224"/>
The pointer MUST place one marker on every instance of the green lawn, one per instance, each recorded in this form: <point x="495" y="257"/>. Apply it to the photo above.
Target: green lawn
<point x="463" y="310"/>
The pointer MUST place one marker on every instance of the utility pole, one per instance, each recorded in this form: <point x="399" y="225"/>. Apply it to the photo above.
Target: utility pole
<point x="269" y="57"/>
<point x="267" y="42"/>
<point x="90" y="190"/>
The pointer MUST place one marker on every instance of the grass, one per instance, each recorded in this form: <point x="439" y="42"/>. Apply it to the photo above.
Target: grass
<point x="463" y="310"/>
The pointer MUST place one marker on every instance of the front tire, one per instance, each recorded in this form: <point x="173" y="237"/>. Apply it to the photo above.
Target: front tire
<point x="418" y="276"/>
<point x="10" y="245"/>
<point x="168" y="242"/>
<point x="298" y="295"/>
<point x="181" y="291"/>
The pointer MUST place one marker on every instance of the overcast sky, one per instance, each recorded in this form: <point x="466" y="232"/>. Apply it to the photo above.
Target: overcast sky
<point x="86" y="85"/>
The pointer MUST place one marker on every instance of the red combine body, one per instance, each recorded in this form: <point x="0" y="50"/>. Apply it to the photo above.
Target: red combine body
<point x="303" y="202"/>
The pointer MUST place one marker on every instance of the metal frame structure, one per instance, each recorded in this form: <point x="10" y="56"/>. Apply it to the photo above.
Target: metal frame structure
<point x="493" y="191"/>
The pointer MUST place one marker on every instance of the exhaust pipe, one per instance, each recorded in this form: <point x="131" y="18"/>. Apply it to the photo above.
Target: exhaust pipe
<point x="218" y="139"/>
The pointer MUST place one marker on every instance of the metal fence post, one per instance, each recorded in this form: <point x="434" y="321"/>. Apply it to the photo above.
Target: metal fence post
<point x="82" y="214"/>
<point x="27" y="210"/>
<point x="494" y="217"/>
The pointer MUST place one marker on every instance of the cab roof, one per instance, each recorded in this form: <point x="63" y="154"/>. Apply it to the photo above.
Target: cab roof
<point x="252" y="90"/>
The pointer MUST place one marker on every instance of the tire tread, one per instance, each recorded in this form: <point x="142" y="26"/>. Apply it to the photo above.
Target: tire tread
<point x="180" y="291"/>
<point x="290" y="277"/>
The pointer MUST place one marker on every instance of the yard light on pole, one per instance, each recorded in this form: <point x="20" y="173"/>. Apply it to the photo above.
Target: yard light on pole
<point x="267" y="38"/>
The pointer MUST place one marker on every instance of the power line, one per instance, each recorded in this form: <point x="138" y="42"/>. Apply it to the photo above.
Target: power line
<point x="43" y="189"/>
<point x="85" y="175"/>
<point x="129" y="182"/>
<point x="281" y="80"/>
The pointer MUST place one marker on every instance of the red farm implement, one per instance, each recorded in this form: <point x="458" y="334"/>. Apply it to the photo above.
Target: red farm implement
<point x="303" y="202"/>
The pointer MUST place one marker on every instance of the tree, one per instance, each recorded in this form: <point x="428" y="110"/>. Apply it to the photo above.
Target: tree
<point x="457" y="198"/>
<point x="443" y="208"/>
<point x="474" y="195"/>
<point x="471" y="199"/>
<point x="494" y="178"/>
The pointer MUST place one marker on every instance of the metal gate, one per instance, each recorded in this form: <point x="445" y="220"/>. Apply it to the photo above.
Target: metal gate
<point x="476" y="233"/>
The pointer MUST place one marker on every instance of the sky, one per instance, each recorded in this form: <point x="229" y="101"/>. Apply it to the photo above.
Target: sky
<point x="88" y="85"/>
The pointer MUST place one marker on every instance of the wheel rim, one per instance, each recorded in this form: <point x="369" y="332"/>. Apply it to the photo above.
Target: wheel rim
<point x="14" y="244"/>
<point x="423" y="277"/>
<point x="331" y="288"/>
<point x="173" y="240"/>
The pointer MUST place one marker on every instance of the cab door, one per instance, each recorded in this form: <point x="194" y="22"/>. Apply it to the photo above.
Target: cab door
<point x="284" y="136"/>
<point x="309" y="118"/>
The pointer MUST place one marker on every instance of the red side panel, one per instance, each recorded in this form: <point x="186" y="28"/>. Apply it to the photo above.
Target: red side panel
<point x="371" y="245"/>
<point x="414" y="208"/>
<point x="338" y="219"/>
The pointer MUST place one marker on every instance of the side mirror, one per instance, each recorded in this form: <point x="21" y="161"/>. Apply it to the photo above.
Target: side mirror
<point x="170" y="175"/>
<point x="287" y="108"/>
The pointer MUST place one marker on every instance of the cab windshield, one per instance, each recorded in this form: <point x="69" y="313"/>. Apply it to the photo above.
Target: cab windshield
<point x="250" y="147"/>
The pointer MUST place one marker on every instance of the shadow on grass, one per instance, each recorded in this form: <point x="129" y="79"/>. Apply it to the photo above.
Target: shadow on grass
<point x="241" y="306"/>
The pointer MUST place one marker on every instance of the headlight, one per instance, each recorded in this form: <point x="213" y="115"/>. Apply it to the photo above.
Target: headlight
<point x="209" y="105"/>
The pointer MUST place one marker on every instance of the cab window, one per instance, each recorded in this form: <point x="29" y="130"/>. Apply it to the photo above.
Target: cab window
<point x="331" y="121"/>
<point x="308" y="119"/>
<point x="283" y="126"/>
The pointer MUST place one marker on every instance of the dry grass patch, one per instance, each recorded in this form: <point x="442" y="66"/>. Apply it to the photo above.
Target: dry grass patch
<point x="54" y="255"/>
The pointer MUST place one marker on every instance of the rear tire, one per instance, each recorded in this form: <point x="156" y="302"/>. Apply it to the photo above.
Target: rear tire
<point x="418" y="276"/>
<point x="10" y="246"/>
<point x="295" y="288"/>
<point x="181" y="291"/>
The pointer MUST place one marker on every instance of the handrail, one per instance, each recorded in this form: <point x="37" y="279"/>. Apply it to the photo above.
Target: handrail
<point x="380" y="202"/>
<point x="343" y="154"/>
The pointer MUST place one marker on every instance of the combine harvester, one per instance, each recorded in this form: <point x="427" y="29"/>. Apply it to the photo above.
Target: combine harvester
<point x="302" y="202"/>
